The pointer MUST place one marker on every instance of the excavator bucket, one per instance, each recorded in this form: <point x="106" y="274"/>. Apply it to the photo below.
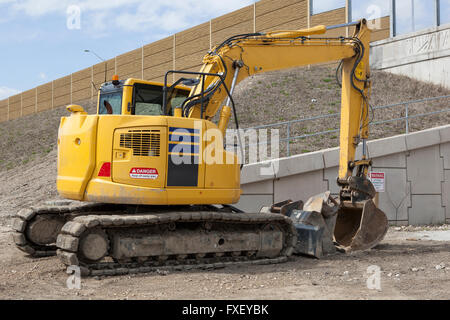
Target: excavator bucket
<point x="324" y="224"/>
<point x="315" y="225"/>
<point x="314" y="222"/>
<point x="359" y="226"/>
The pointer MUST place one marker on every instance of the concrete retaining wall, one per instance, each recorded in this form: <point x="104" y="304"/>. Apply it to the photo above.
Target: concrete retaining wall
<point x="423" y="55"/>
<point x="416" y="167"/>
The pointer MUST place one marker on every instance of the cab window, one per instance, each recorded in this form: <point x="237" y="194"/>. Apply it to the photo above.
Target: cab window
<point x="110" y="103"/>
<point x="148" y="99"/>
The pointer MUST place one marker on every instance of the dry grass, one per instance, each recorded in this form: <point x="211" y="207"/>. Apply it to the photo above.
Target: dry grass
<point x="32" y="137"/>
<point x="287" y="95"/>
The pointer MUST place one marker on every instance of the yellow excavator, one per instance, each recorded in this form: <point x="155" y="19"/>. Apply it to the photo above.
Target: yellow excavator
<point x="152" y="186"/>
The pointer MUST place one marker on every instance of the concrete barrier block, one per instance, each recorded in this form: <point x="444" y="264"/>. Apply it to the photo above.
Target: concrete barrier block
<point x="445" y="154"/>
<point x="386" y="146"/>
<point x="426" y="209"/>
<point x="330" y="176"/>
<point x="422" y="139"/>
<point x="331" y="157"/>
<point x="446" y="193"/>
<point x="254" y="202"/>
<point x="256" y="172"/>
<point x="396" y="160"/>
<point x="263" y="187"/>
<point x="444" y="133"/>
<point x="425" y="170"/>
<point x="300" y="186"/>
<point x="396" y="198"/>
<point x="299" y="164"/>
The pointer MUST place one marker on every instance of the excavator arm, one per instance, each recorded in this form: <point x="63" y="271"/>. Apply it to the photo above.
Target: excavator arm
<point x="242" y="56"/>
<point x="358" y="223"/>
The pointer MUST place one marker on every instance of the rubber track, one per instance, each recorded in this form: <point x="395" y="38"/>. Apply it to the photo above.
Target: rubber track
<point x="70" y="234"/>
<point x="68" y="210"/>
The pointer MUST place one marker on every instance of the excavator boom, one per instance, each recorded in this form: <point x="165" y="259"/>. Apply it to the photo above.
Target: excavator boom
<point x="359" y="223"/>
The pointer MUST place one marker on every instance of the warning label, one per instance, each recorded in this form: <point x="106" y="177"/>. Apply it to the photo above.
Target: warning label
<point x="144" y="173"/>
<point x="378" y="180"/>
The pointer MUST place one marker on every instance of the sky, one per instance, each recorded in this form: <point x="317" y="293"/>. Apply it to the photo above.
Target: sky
<point x="43" y="40"/>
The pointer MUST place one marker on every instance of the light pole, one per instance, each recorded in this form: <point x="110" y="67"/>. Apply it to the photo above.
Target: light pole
<point x="103" y="60"/>
<point x="93" y="52"/>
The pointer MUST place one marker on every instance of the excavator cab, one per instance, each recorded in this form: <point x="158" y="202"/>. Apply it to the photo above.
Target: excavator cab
<point x="138" y="97"/>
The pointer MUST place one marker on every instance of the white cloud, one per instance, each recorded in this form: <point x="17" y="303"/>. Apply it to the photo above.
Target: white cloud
<point x="42" y="76"/>
<point x="176" y="14"/>
<point x="134" y="15"/>
<point x="42" y="7"/>
<point x="7" y="92"/>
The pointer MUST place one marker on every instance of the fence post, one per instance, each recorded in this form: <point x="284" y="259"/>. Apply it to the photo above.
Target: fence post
<point x="406" y="120"/>
<point x="254" y="17"/>
<point x="71" y="82"/>
<point x="210" y="34"/>
<point x="174" y="57"/>
<point x="308" y="12"/>
<point x="142" y="63"/>
<point x="348" y="15"/>
<point x="437" y="13"/>
<point x="288" y="139"/>
<point x="53" y="94"/>
<point x="393" y="20"/>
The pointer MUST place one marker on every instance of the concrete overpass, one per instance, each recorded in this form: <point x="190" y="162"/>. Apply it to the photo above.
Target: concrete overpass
<point x="423" y="55"/>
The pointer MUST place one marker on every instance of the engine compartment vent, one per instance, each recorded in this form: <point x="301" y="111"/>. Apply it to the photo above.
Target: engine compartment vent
<point x="145" y="143"/>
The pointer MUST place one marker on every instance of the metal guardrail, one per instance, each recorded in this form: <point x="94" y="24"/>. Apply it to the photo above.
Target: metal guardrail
<point x="406" y="118"/>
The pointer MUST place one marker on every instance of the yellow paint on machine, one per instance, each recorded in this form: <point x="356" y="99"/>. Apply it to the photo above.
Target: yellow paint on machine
<point x="100" y="143"/>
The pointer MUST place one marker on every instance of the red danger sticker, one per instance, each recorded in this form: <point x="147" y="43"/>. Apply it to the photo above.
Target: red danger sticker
<point x="144" y="173"/>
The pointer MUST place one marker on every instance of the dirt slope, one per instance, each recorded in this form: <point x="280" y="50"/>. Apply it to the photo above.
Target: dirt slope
<point x="302" y="93"/>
